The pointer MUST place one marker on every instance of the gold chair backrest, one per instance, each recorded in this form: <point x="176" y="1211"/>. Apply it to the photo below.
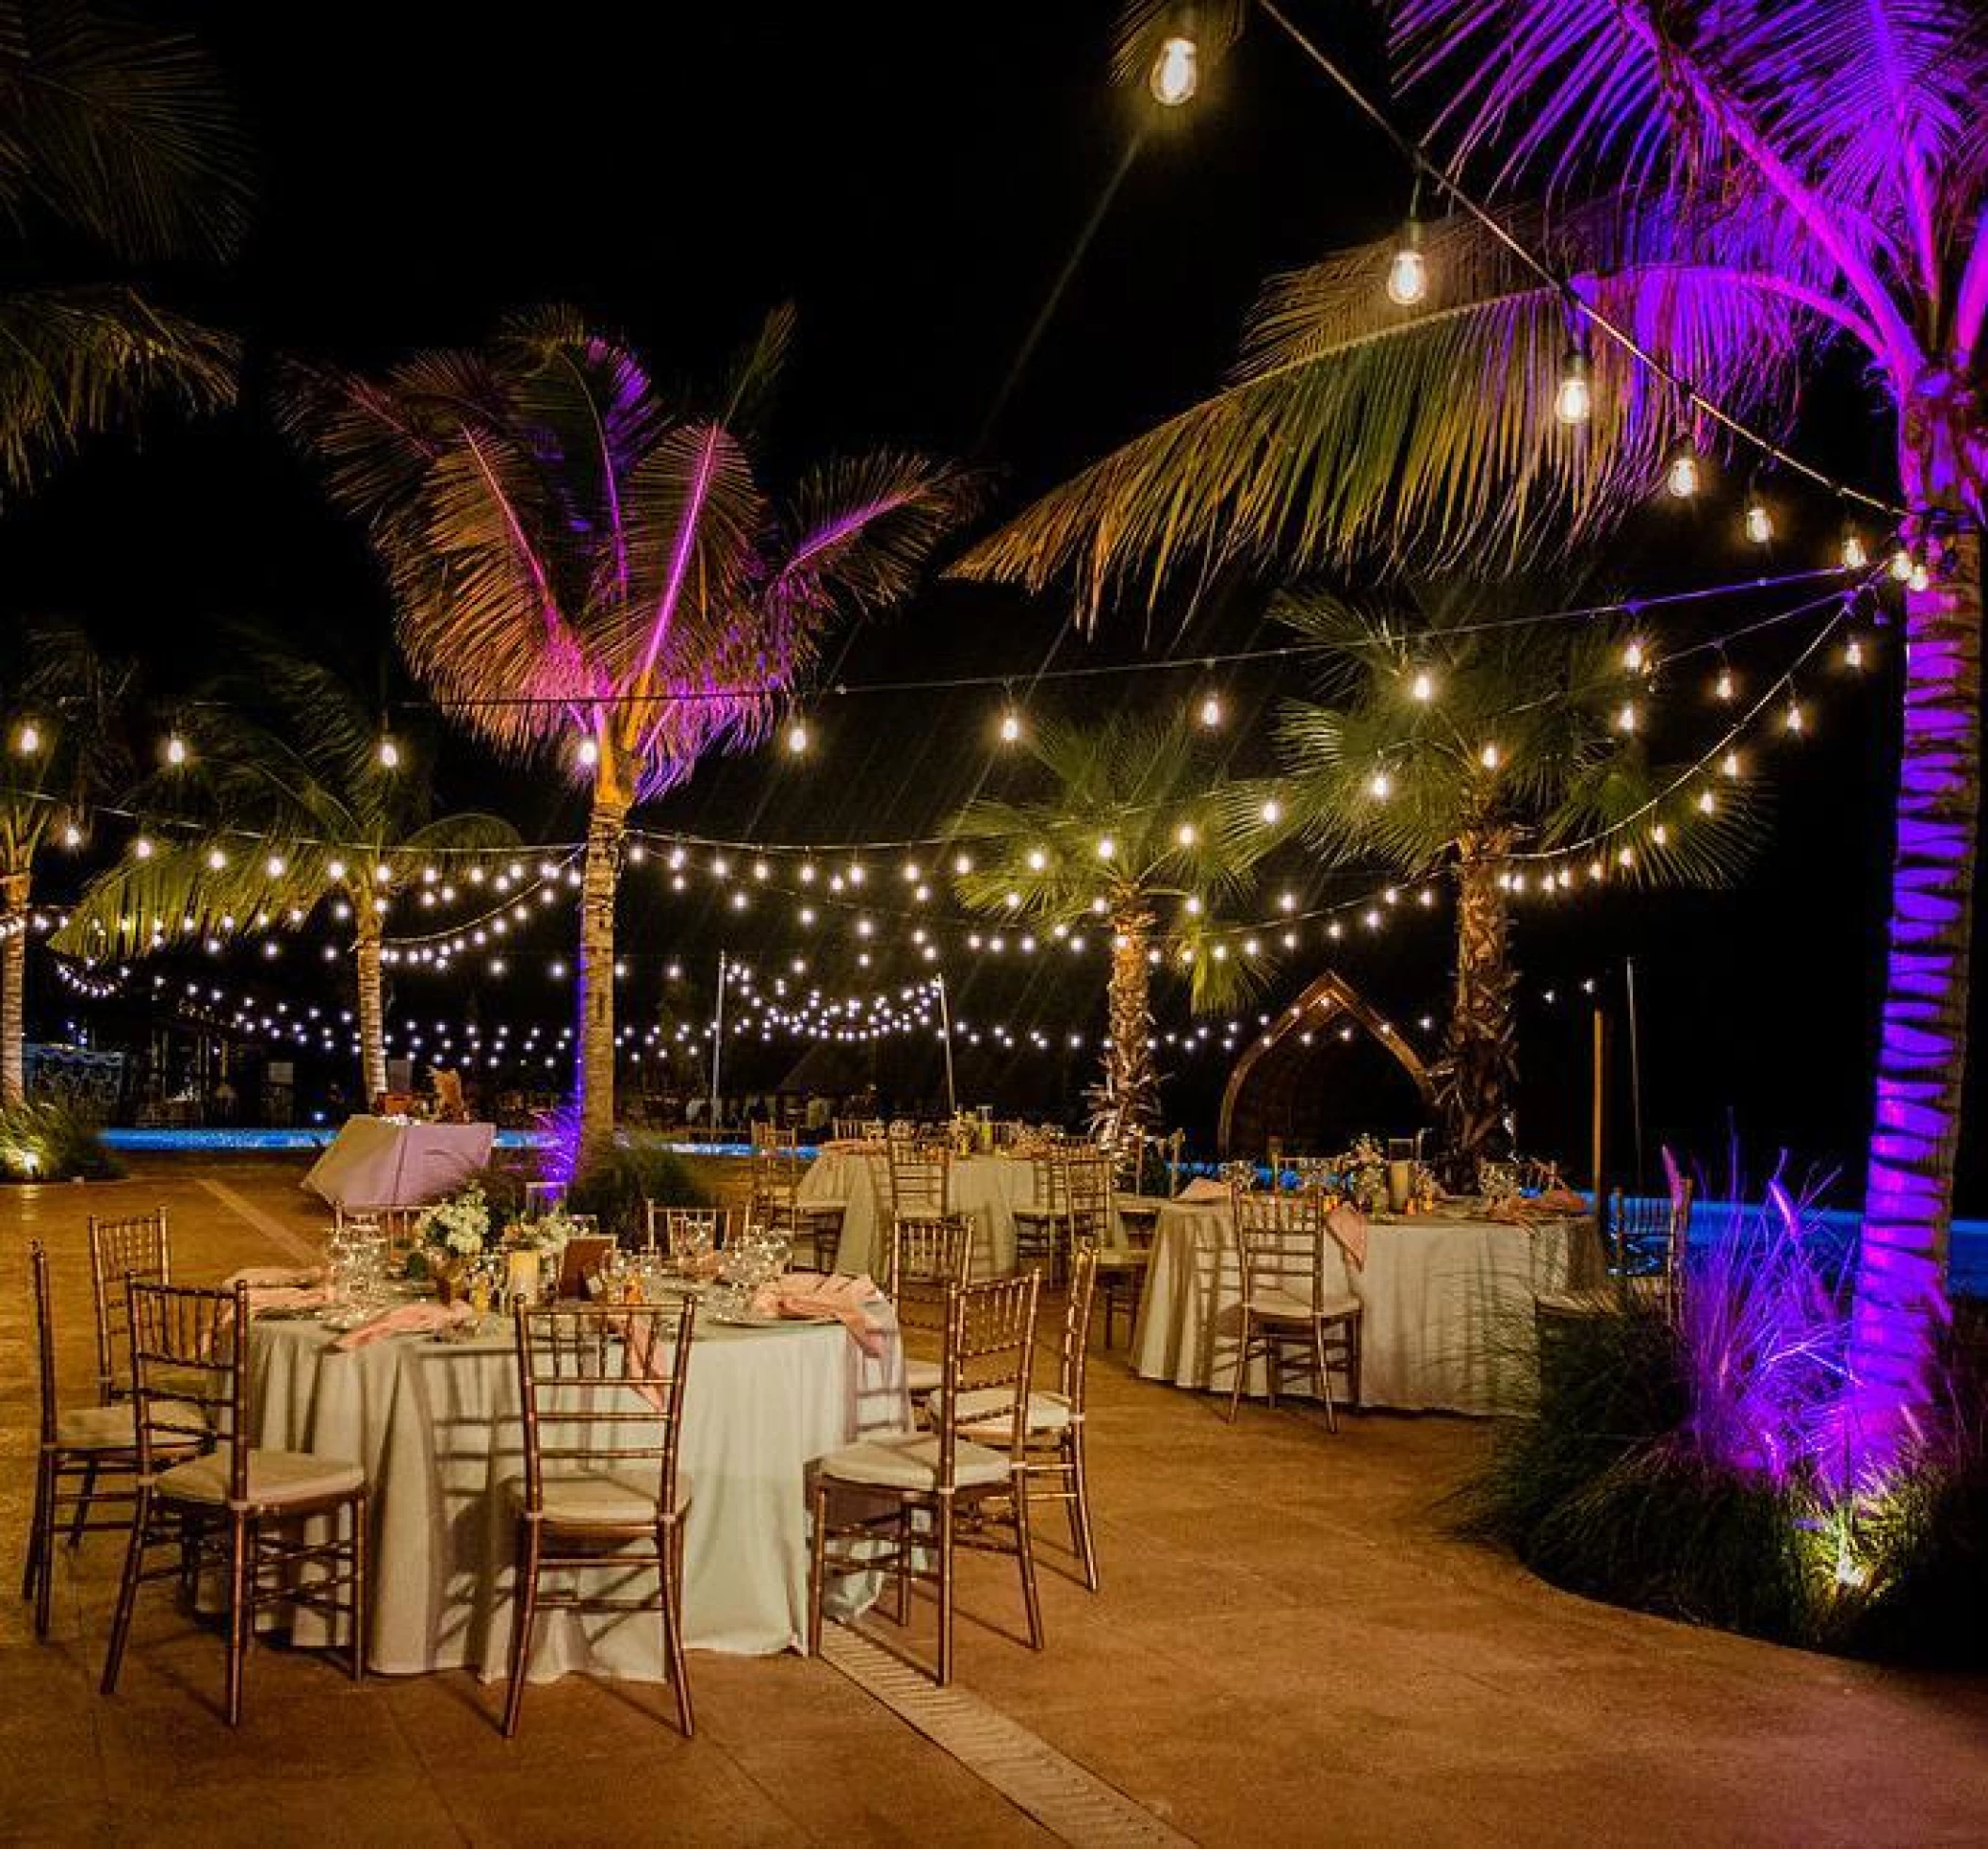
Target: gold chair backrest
<point x="187" y="1345"/>
<point x="138" y="1246"/>
<point x="45" y="1337"/>
<point x="1071" y="1369"/>
<point x="919" y="1179"/>
<point x="601" y="1387"/>
<point x="991" y="1344"/>
<point x="675" y="1228"/>
<point x="1283" y="1244"/>
<point x="1088" y="1193"/>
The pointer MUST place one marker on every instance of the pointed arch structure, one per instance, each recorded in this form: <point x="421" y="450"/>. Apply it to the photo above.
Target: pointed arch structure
<point x="1267" y="1084"/>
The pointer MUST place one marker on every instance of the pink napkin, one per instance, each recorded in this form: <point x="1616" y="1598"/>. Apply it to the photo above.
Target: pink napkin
<point x="1561" y="1200"/>
<point x="407" y="1320"/>
<point x="813" y="1296"/>
<point x="259" y="1277"/>
<point x="1348" y="1225"/>
<point x="1201" y="1192"/>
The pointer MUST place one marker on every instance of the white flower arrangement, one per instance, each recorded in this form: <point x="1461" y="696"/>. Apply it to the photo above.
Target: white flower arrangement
<point x="546" y="1232"/>
<point x="1364" y="1174"/>
<point x="459" y="1224"/>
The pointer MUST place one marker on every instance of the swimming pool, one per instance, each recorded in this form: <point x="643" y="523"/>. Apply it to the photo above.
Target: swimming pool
<point x="321" y="1136"/>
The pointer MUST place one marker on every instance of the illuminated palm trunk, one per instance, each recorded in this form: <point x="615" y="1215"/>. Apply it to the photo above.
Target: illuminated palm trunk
<point x="13" y="988"/>
<point x="1480" y="1058"/>
<point x="593" y="1068"/>
<point x="372" y="1008"/>
<point x="1132" y="1086"/>
<point x="1900" y="1308"/>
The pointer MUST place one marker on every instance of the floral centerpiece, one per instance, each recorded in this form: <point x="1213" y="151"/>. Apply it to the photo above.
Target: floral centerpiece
<point x="451" y="1236"/>
<point x="544" y="1233"/>
<point x="1363" y="1175"/>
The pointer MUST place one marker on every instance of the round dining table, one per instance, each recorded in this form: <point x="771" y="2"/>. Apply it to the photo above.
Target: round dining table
<point x="1447" y="1305"/>
<point x="988" y="1188"/>
<point x="436" y="1425"/>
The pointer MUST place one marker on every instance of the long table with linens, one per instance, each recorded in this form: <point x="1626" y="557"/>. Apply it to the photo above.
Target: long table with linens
<point x="1447" y="1305"/>
<point x="436" y="1425"/>
<point x="990" y="1187"/>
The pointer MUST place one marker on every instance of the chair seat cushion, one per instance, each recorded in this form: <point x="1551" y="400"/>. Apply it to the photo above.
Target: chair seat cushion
<point x="909" y="1460"/>
<point x="1275" y="1306"/>
<point x="821" y="1206"/>
<point x="922" y="1376"/>
<point x="599" y="1498"/>
<point x="1124" y="1259"/>
<point x="114" y="1427"/>
<point x="983" y="1413"/>
<point x="275" y="1478"/>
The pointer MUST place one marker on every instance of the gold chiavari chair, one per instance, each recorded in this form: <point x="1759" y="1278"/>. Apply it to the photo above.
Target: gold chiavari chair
<point x="850" y="1129"/>
<point x="1053" y="1465"/>
<point x="1294" y="1294"/>
<point x="680" y="1232"/>
<point x="76" y="1452"/>
<point x="918" y="1184"/>
<point x="602" y="1392"/>
<point x="1042" y="1223"/>
<point x="240" y="1506"/>
<point x="137" y="1247"/>
<point x="927" y="1258"/>
<point x="814" y="1224"/>
<point x="939" y="1490"/>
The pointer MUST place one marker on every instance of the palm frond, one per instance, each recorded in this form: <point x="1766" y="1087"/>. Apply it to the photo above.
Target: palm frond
<point x="1423" y="439"/>
<point x="122" y="130"/>
<point x="140" y="905"/>
<point x="863" y="528"/>
<point x="1144" y="25"/>
<point x="78" y="361"/>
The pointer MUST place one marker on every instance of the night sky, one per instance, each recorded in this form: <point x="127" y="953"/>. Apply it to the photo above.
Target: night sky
<point x="914" y="178"/>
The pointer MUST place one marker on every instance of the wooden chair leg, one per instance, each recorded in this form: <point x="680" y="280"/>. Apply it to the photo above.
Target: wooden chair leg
<point x="1080" y="1508"/>
<point x="523" y="1618"/>
<point x="358" y="1595"/>
<point x="40" y="1573"/>
<point x="127" y="1591"/>
<point x="1325" y="1378"/>
<point x="242" y="1540"/>
<point x="31" y="1561"/>
<point x="1242" y="1369"/>
<point x="669" y="1562"/>
<point x="1026" y="1555"/>
<point x="943" y="1518"/>
<point x="817" y="1560"/>
<point x="81" y="1518"/>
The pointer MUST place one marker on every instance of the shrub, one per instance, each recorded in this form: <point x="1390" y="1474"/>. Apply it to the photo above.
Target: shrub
<point x="48" y="1142"/>
<point x="614" y="1184"/>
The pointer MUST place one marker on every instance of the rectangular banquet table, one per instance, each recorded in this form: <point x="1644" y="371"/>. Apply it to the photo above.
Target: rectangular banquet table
<point x="394" y="1162"/>
<point x="437" y="1427"/>
<point x="990" y="1187"/>
<point x="1446" y="1305"/>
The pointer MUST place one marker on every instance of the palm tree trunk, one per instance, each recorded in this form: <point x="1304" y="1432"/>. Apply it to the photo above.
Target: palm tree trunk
<point x="372" y="1009"/>
<point x="1132" y="1086"/>
<point x="595" y="1060"/>
<point x="14" y="890"/>
<point x="1900" y="1309"/>
<point x="1481" y="1061"/>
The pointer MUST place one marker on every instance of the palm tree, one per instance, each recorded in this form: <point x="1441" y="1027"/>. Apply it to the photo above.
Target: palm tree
<point x="1453" y="742"/>
<point x="119" y="135"/>
<point x="1750" y="188"/>
<point x="1128" y="836"/>
<point x="285" y="754"/>
<point x="62" y="748"/>
<point x="587" y="567"/>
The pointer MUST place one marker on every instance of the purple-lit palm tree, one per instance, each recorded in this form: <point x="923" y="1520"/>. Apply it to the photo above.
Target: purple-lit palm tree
<point x="1744" y="185"/>
<point x="588" y="569"/>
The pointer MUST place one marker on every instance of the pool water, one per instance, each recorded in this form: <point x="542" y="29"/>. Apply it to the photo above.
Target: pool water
<point x="321" y="1136"/>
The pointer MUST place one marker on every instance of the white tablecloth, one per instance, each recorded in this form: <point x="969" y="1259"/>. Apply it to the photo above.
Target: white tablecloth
<point x="990" y="1187"/>
<point x="378" y="1161"/>
<point x="437" y="1426"/>
<point x="1446" y="1306"/>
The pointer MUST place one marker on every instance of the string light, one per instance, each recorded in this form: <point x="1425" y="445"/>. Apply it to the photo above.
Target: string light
<point x="797" y="738"/>
<point x="389" y="753"/>
<point x="1010" y="726"/>
<point x="1901" y="565"/>
<point x="1423" y="688"/>
<point x="1176" y="73"/>
<point x="1211" y="712"/>
<point x="1725" y="687"/>
<point x="1759" y="521"/>
<point x="1490" y="758"/>
<point x="1681" y="470"/>
<point x="1272" y="811"/>
<point x="1854" y="557"/>
<point x="587" y="751"/>
<point x="1573" y="396"/>
<point x="28" y="739"/>
<point x="1634" y="658"/>
<point x="1408" y="270"/>
<point x="1380" y="786"/>
<point x="175" y="749"/>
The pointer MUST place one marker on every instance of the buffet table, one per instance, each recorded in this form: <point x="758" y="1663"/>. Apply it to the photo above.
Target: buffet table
<point x="436" y="1425"/>
<point x="395" y="1162"/>
<point x="1446" y="1305"/>
<point x="990" y="1187"/>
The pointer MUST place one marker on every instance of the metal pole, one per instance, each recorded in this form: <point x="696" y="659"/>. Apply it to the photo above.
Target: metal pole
<point x="1598" y="1125"/>
<point x="945" y="1026"/>
<point x="1636" y="1068"/>
<point x="718" y="1040"/>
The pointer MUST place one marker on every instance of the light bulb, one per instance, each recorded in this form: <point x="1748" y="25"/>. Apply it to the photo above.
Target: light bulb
<point x="1380" y="786"/>
<point x="588" y="752"/>
<point x="275" y="866"/>
<point x="1625" y="719"/>
<point x="1273" y="812"/>
<point x="1573" y="398"/>
<point x="1901" y="565"/>
<point x="1681" y="471"/>
<point x="141" y="849"/>
<point x="1759" y="521"/>
<point x="1634" y="658"/>
<point x="389" y="754"/>
<point x="1724" y="688"/>
<point x="1211" y="714"/>
<point x="71" y="835"/>
<point x="1795" y="720"/>
<point x="1107" y="848"/>
<point x="217" y="859"/>
<point x="1853" y="653"/>
<point x="1408" y="270"/>
<point x="962" y="864"/>
<point x="1708" y="802"/>
<point x="1185" y="835"/>
<point x="1730" y="766"/>
<point x="1037" y="860"/>
<point x="176" y="749"/>
<point x="28" y="739"/>
<point x="1854" y="556"/>
<point x="1919" y="578"/>
<point x="1422" y="688"/>
<point x="797" y="737"/>
<point x="1176" y="73"/>
<point x="1489" y="758"/>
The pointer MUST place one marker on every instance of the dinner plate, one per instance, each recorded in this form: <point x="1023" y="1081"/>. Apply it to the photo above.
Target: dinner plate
<point x="749" y="1319"/>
